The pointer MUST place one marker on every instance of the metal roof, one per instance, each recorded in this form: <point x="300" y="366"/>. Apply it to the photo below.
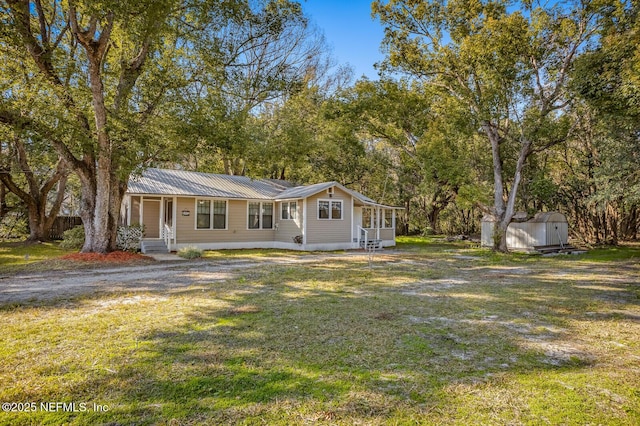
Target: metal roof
<point x="359" y="196"/>
<point x="541" y="217"/>
<point x="544" y="217"/>
<point x="304" y="191"/>
<point x="180" y="182"/>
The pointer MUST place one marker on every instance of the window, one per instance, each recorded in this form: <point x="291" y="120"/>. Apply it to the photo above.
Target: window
<point x="289" y="211"/>
<point x="323" y="209"/>
<point x="254" y="215"/>
<point x="388" y="218"/>
<point x="330" y="209"/>
<point x="336" y="210"/>
<point x="260" y="215"/>
<point x="366" y="217"/>
<point x="219" y="215"/>
<point x="267" y="215"/>
<point x="204" y="217"/>
<point x="370" y="217"/>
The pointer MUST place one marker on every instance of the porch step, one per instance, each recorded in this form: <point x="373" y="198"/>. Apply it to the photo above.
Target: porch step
<point x="371" y="244"/>
<point x="153" y="246"/>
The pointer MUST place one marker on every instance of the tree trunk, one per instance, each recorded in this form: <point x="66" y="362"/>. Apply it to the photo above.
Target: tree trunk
<point x="503" y="211"/>
<point x="4" y="208"/>
<point x="36" y="194"/>
<point x="100" y="192"/>
<point x="101" y="226"/>
<point x="98" y="164"/>
<point x="433" y="217"/>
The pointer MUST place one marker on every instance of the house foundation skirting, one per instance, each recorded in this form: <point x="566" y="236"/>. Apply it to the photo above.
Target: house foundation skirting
<point x="277" y="245"/>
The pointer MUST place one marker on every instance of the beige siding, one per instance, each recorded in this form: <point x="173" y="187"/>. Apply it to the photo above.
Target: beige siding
<point x="288" y="229"/>
<point x="236" y="231"/>
<point x="329" y="231"/>
<point x="387" y="234"/>
<point x="135" y="210"/>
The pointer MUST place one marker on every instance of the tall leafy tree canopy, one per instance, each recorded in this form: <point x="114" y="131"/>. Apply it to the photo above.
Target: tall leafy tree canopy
<point x="508" y="68"/>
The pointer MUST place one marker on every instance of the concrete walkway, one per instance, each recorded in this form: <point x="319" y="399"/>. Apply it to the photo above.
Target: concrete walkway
<point x="165" y="257"/>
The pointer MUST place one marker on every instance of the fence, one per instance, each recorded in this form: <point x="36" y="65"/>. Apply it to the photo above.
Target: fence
<point x="61" y="224"/>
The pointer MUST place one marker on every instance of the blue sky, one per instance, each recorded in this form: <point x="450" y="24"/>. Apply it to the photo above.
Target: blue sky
<point x="349" y="29"/>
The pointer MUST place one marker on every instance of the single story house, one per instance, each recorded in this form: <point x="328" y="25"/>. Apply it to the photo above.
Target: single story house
<point x="544" y="229"/>
<point x="212" y="211"/>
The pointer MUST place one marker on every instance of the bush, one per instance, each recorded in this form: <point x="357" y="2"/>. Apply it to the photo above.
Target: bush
<point x="129" y="237"/>
<point x="14" y="226"/>
<point x="73" y="238"/>
<point x="190" y="252"/>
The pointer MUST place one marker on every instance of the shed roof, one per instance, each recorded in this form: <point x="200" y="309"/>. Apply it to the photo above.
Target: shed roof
<point x="544" y="217"/>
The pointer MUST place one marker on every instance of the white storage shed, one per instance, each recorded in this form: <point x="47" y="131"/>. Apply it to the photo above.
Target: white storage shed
<point x="545" y="229"/>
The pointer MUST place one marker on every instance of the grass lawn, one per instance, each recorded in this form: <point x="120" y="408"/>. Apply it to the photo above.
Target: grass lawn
<point x="434" y="333"/>
<point x="24" y="257"/>
<point x="249" y="254"/>
<point x="16" y="255"/>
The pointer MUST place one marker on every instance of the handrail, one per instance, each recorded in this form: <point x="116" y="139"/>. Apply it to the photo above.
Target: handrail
<point x="167" y="235"/>
<point x="366" y="236"/>
<point x="370" y="250"/>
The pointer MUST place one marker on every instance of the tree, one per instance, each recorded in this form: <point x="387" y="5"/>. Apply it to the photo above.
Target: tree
<point x="266" y="53"/>
<point x="109" y="65"/>
<point x="508" y="68"/>
<point x="34" y="185"/>
<point x="606" y="82"/>
<point x="28" y="166"/>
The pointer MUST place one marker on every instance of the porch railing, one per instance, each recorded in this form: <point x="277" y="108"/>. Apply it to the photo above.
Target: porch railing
<point x="167" y="235"/>
<point x="363" y="236"/>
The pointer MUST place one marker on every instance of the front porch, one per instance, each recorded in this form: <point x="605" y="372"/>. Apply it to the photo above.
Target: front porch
<point x="173" y="222"/>
<point x="373" y="226"/>
<point x="156" y="215"/>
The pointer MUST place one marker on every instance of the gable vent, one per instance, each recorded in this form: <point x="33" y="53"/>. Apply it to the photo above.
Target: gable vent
<point x="330" y="191"/>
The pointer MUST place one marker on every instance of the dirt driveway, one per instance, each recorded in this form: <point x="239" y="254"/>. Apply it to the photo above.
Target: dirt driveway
<point x="164" y="275"/>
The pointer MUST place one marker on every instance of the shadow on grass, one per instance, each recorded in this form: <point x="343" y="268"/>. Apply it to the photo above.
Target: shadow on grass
<point x="341" y="343"/>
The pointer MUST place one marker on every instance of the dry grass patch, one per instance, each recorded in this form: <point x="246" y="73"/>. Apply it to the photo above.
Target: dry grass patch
<point x="423" y="337"/>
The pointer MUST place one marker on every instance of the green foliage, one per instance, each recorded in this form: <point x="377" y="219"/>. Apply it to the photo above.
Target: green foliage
<point x="14" y="226"/>
<point x="73" y="238"/>
<point x="190" y="252"/>
<point x="246" y="87"/>
<point x="243" y="111"/>
<point x="608" y="254"/>
<point x="506" y="67"/>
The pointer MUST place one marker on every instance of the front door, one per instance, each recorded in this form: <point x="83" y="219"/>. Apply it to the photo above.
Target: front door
<point x="357" y="221"/>
<point x="151" y="218"/>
